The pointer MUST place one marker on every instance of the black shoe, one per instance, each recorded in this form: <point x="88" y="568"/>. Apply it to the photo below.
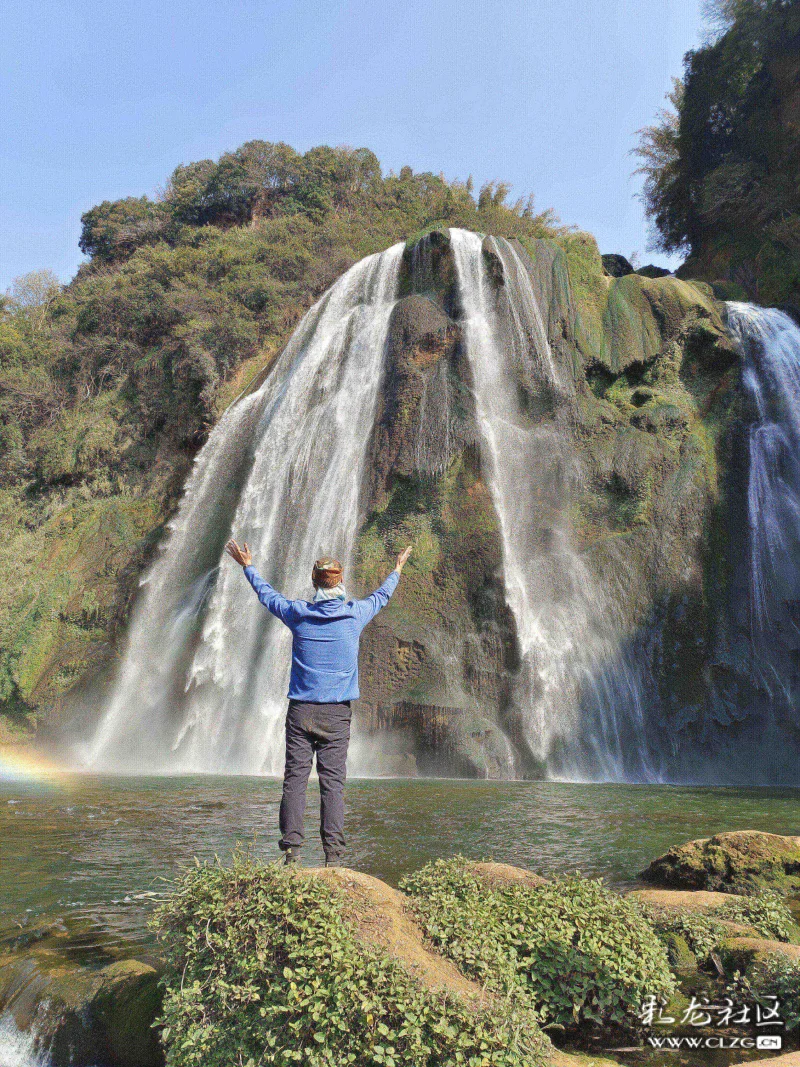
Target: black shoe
<point x="289" y="858"/>
<point x="333" y="861"/>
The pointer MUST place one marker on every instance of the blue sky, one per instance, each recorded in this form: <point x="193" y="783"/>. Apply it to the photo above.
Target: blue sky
<point x="103" y="100"/>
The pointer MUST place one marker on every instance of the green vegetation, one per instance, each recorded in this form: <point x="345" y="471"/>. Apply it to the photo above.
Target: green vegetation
<point x="766" y="912"/>
<point x="720" y="165"/>
<point x="777" y="979"/>
<point x="109" y="385"/>
<point x="582" y="954"/>
<point x="265" y="966"/>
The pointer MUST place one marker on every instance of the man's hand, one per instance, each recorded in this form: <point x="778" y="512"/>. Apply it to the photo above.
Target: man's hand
<point x="241" y="555"/>
<point x="401" y="559"/>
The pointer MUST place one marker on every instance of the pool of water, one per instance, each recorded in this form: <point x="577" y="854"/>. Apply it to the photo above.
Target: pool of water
<point x="99" y="851"/>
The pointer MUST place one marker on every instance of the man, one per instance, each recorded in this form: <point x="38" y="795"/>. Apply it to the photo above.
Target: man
<point x="324" y="680"/>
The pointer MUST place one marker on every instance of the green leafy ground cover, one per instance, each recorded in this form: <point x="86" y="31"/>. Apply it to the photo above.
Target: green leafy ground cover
<point x="265" y="966"/>
<point x="766" y="912"/>
<point x="776" y="979"/>
<point x="580" y="953"/>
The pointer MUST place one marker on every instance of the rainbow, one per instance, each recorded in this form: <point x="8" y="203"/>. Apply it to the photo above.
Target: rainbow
<point x="24" y="765"/>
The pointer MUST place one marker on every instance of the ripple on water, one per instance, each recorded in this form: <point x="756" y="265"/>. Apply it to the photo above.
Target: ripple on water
<point x="102" y="850"/>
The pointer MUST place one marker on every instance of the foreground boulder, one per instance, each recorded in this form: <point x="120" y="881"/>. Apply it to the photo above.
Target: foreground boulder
<point x="582" y="955"/>
<point x="501" y="875"/>
<point x="698" y="900"/>
<point x="744" y="953"/>
<point x="81" y="1015"/>
<point x="789" y="1059"/>
<point x="742" y="861"/>
<point x="382" y="919"/>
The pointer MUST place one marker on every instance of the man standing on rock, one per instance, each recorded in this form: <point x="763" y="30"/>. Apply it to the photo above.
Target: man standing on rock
<point x="324" y="680"/>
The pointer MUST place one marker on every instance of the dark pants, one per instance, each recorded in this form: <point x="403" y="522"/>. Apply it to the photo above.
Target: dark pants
<point x="323" y="729"/>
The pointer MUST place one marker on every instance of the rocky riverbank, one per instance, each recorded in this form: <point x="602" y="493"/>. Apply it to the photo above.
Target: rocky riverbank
<point x="492" y="963"/>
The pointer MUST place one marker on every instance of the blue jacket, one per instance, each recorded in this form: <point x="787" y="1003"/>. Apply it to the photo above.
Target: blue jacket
<point x="325" y="638"/>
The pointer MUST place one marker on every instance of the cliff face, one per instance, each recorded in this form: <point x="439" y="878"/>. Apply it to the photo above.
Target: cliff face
<point x="449" y="633"/>
<point x="647" y="482"/>
<point x="653" y="378"/>
<point x="110" y="385"/>
<point x="740" y="141"/>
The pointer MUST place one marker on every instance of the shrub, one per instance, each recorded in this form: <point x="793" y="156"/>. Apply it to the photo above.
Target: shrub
<point x="775" y="979"/>
<point x="74" y="446"/>
<point x="702" y="933"/>
<point x="264" y="966"/>
<point x="581" y="953"/>
<point x="114" y="229"/>
<point x="766" y="912"/>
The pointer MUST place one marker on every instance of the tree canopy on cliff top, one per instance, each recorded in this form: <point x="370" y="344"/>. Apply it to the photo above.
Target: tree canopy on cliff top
<point x="181" y="291"/>
<point x="720" y="164"/>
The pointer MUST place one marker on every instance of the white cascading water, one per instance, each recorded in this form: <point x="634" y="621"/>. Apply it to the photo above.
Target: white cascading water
<point x="18" y="1047"/>
<point x="771" y="344"/>
<point x="580" y="699"/>
<point x="203" y="682"/>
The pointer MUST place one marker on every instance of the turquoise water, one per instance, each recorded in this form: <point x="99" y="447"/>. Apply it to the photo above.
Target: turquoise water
<point x="98" y="850"/>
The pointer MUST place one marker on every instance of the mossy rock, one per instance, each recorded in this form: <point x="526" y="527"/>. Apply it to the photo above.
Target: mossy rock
<point x="123" y="1009"/>
<point x="742" y="861"/>
<point x="437" y="233"/>
<point x="748" y="954"/>
<point x="681" y="958"/>
<point x="84" y="1015"/>
<point x="652" y="271"/>
<point x="616" y="265"/>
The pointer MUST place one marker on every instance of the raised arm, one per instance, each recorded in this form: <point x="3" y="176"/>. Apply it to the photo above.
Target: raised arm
<point x="369" y="607"/>
<point x="272" y="600"/>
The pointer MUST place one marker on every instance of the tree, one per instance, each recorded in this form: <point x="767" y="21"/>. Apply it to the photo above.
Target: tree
<point x="664" y="192"/>
<point x="115" y="228"/>
<point x="188" y="195"/>
<point x="271" y="171"/>
<point x="31" y="295"/>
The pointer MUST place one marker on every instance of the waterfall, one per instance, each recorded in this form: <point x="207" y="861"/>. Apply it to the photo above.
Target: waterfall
<point x="18" y="1047"/>
<point x="578" y="694"/>
<point x="202" y="685"/>
<point x="770" y="342"/>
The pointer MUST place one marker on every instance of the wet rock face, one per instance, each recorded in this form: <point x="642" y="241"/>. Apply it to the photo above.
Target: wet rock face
<point x="649" y="380"/>
<point x="83" y="1016"/>
<point x="743" y="861"/>
<point x="420" y="423"/>
<point x="448" y="637"/>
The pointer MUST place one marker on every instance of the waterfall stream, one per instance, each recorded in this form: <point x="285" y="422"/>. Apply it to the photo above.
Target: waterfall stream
<point x="18" y="1047"/>
<point x="770" y="342"/>
<point x="579" y="697"/>
<point x="202" y="684"/>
